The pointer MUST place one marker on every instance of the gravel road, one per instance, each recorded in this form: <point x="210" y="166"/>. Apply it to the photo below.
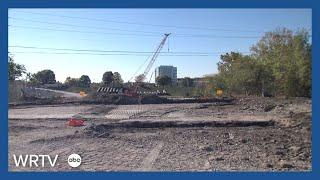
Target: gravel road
<point x="63" y="93"/>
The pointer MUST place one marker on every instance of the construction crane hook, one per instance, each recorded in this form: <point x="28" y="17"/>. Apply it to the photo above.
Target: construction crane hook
<point x="168" y="45"/>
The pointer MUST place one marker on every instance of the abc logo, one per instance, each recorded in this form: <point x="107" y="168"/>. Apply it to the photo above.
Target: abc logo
<point x="74" y="160"/>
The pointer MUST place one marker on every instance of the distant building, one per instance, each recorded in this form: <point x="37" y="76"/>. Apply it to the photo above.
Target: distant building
<point x="199" y="81"/>
<point x="170" y="71"/>
<point x="195" y="82"/>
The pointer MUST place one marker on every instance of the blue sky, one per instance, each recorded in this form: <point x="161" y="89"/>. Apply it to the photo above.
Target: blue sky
<point x="108" y="29"/>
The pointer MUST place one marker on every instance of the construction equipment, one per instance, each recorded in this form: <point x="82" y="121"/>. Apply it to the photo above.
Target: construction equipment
<point x="154" y="57"/>
<point x="83" y="94"/>
<point x="140" y="78"/>
<point x="131" y="89"/>
<point x="151" y="77"/>
<point x="219" y="92"/>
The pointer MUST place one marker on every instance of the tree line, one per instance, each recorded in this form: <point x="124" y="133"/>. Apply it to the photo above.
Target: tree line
<point x="47" y="77"/>
<point x="278" y="65"/>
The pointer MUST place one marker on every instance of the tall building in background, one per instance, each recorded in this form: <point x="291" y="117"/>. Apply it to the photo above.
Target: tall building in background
<point x="170" y="71"/>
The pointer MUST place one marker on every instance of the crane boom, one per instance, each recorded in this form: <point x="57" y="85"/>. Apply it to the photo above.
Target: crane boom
<point x="154" y="56"/>
<point x="132" y="91"/>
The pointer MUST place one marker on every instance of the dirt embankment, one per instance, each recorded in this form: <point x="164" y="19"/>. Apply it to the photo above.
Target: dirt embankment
<point x="41" y="96"/>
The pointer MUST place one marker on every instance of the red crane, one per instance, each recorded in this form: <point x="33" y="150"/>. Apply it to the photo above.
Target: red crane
<point x="154" y="57"/>
<point x="140" y="78"/>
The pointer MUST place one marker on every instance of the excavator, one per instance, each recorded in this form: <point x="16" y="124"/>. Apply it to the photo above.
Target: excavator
<point x="132" y="91"/>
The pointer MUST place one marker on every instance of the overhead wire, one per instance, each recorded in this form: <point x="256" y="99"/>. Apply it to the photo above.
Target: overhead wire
<point x="114" y="51"/>
<point x="82" y="26"/>
<point x="131" y="34"/>
<point x="141" y="24"/>
<point x="102" y="54"/>
<point x="77" y="31"/>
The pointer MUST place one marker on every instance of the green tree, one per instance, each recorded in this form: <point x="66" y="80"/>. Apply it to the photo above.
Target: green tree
<point x="45" y="77"/>
<point x="84" y="81"/>
<point x="32" y="79"/>
<point x="163" y="80"/>
<point x="231" y="71"/>
<point x="139" y="79"/>
<point x="288" y="57"/>
<point x="280" y="64"/>
<point x="107" y="78"/>
<point x="244" y="74"/>
<point x="71" y="82"/>
<point x="15" y="70"/>
<point x="117" y="78"/>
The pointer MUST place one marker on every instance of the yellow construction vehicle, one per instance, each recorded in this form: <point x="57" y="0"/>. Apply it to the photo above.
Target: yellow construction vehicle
<point x="219" y="92"/>
<point x="82" y="93"/>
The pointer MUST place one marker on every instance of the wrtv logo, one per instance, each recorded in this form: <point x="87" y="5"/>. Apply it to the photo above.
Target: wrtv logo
<point x="34" y="160"/>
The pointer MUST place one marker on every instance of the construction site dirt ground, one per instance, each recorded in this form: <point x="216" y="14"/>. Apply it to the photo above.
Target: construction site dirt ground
<point x="253" y="134"/>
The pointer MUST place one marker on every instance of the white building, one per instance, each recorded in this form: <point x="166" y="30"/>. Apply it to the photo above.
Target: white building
<point x="170" y="71"/>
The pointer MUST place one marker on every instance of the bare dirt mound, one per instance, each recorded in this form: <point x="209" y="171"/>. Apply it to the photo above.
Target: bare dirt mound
<point x="261" y="104"/>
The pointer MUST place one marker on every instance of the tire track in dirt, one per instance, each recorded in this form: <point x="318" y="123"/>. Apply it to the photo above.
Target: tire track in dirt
<point x="147" y="164"/>
<point x="122" y="113"/>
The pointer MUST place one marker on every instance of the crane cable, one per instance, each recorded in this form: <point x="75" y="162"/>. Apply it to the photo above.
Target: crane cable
<point x="140" y="67"/>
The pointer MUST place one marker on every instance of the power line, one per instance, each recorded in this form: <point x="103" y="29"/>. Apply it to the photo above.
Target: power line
<point x="143" y="24"/>
<point x="41" y="37"/>
<point x="148" y="32"/>
<point x="101" y="54"/>
<point x="113" y="51"/>
<point x="83" y="26"/>
<point x="76" y="31"/>
<point x="175" y="35"/>
<point x="214" y="36"/>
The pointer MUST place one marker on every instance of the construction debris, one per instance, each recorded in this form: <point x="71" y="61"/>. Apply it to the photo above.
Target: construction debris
<point x="76" y="122"/>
